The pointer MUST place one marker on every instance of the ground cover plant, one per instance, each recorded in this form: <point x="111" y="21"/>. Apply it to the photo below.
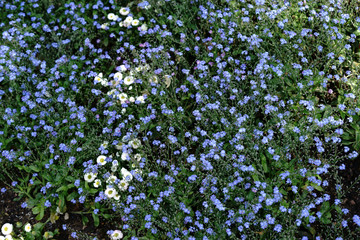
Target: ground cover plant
<point x="171" y="119"/>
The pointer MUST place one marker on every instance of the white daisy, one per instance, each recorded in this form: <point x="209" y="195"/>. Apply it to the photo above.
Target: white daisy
<point x="153" y="79"/>
<point x="99" y="77"/>
<point x="132" y="99"/>
<point x="110" y="192"/>
<point x="135" y="22"/>
<point x="137" y="157"/>
<point x="135" y="143"/>
<point x="114" y="83"/>
<point x="147" y="67"/>
<point x="7" y="228"/>
<point x="112" y="17"/>
<point x="105" y="144"/>
<point x="101" y="160"/>
<point x="143" y="27"/>
<point x="111" y="179"/>
<point x="124" y="11"/>
<point x="104" y="82"/>
<point x="124" y="156"/>
<point x="123" y="68"/>
<point x="27" y="227"/>
<point x="128" y="80"/>
<point x="89" y="177"/>
<point x="119" y="146"/>
<point x="113" y="168"/>
<point x="117" y="234"/>
<point x="118" y="76"/>
<point x="140" y="99"/>
<point x="128" y="21"/>
<point x="104" y="25"/>
<point x="122" y="97"/>
<point x="111" y="92"/>
<point x="123" y="185"/>
<point x="97" y="183"/>
<point x="127" y="176"/>
<point x="117" y="196"/>
<point x="139" y="69"/>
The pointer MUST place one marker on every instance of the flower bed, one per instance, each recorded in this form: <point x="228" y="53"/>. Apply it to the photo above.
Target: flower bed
<point x="180" y="119"/>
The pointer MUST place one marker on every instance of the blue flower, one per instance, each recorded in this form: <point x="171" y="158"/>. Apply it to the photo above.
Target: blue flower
<point x="356" y="220"/>
<point x="47" y="203"/>
<point x="179" y="23"/>
<point x="73" y="235"/>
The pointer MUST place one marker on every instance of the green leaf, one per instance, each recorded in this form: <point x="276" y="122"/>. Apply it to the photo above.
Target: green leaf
<point x="34" y="168"/>
<point x="41" y="214"/>
<point x="264" y="163"/>
<point x="324" y="207"/>
<point x="85" y="220"/>
<point x="326" y="219"/>
<point x="71" y="196"/>
<point x="106" y="216"/>
<point x="35" y="210"/>
<point x="61" y="202"/>
<point x="317" y="187"/>
<point x="62" y="188"/>
<point x="106" y="42"/>
<point x="93" y="190"/>
<point x="96" y="219"/>
<point x="338" y="209"/>
<point x="38" y="226"/>
<point x="70" y="178"/>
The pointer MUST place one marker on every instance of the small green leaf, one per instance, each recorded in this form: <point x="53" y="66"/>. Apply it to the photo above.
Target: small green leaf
<point x="317" y="187"/>
<point x="41" y="214"/>
<point x="34" y="168"/>
<point x="106" y="42"/>
<point x="93" y="190"/>
<point x="85" y="220"/>
<point x="35" y="210"/>
<point x="96" y="219"/>
<point x="264" y="163"/>
<point x="338" y="209"/>
<point x="71" y="196"/>
<point x="106" y="216"/>
<point x="38" y="226"/>
<point x="62" y="188"/>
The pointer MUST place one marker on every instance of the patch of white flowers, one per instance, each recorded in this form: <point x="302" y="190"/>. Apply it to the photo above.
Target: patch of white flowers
<point x="123" y="83"/>
<point x="115" y="182"/>
<point x="7" y="230"/>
